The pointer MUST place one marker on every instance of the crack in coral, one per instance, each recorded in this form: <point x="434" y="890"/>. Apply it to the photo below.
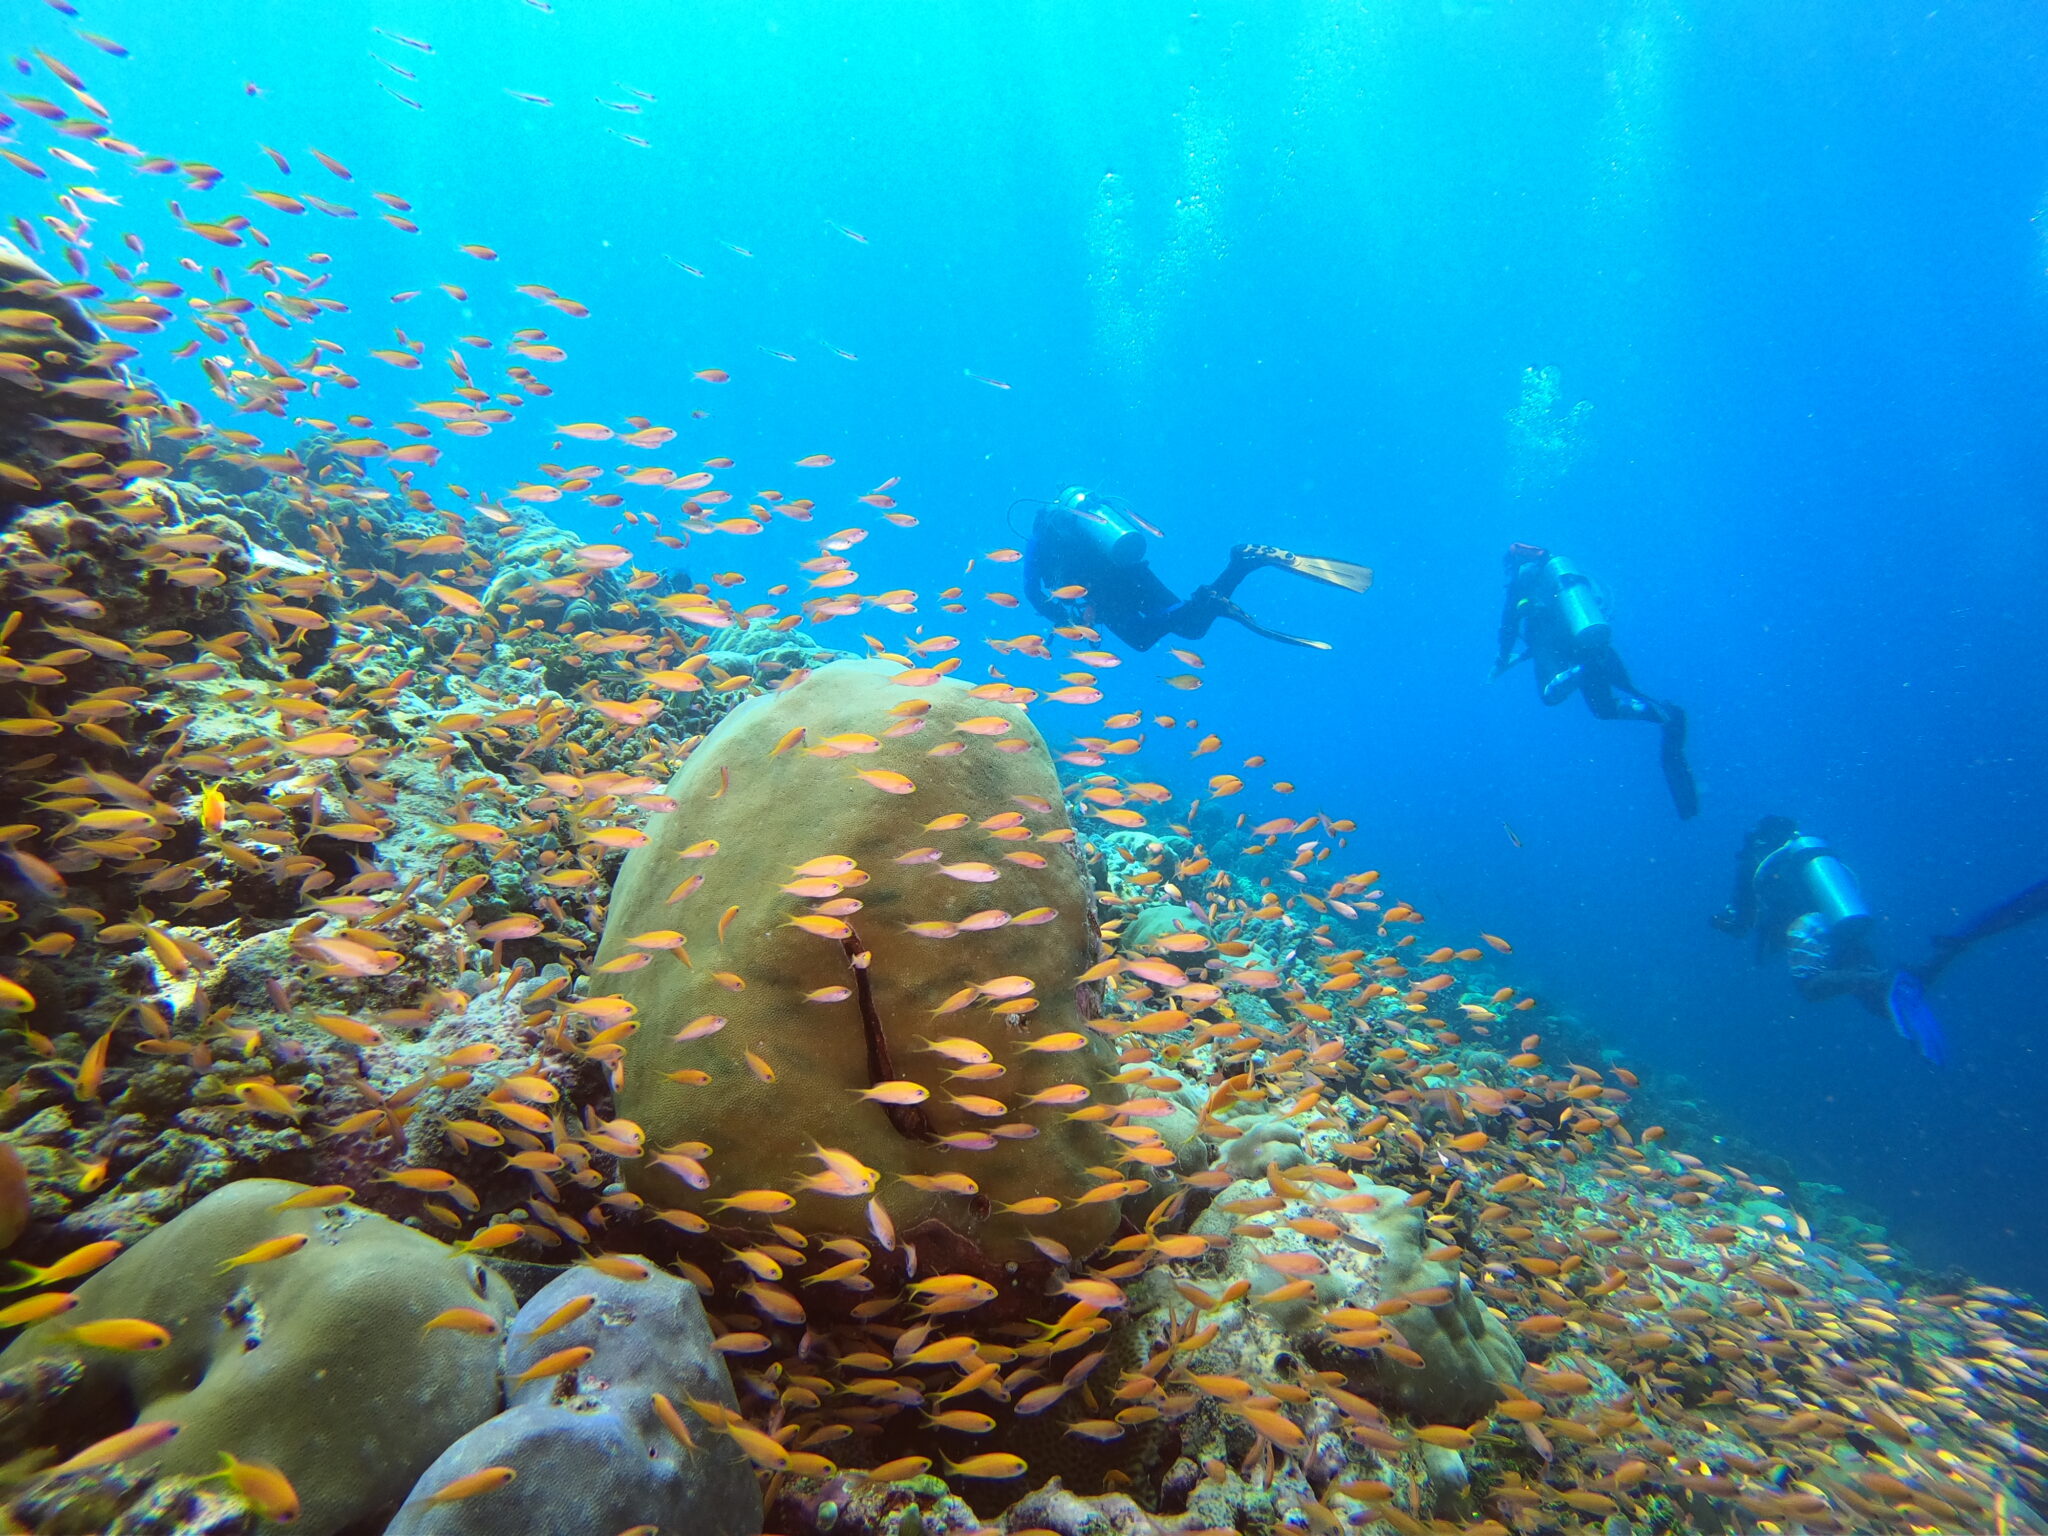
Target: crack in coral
<point x="910" y="1120"/>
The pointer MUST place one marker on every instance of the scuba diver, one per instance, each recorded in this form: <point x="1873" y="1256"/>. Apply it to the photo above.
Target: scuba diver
<point x="2028" y="905"/>
<point x="1802" y="903"/>
<point x="1555" y="617"/>
<point x="1085" y="564"/>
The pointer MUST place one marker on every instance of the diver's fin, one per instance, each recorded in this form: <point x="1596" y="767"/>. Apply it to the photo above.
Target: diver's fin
<point x="1230" y="610"/>
<point x="1907" y="1004"/>
<point x="1338" y="573"/>
<point x="1685" y="794"/>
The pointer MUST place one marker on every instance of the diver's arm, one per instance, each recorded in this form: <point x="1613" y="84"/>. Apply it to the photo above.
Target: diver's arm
<point x="1510" y="649"/>
<point x="1739" y="916"/>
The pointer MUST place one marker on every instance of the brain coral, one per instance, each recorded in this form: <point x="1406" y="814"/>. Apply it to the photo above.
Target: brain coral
<point x="981" y="844"/>
<point x="314" y="1362"/>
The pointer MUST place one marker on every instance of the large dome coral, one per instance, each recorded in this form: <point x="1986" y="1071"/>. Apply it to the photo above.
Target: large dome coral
<point x="939" y="814"/>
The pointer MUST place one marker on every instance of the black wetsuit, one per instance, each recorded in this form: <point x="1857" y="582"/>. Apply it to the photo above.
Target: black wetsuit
<point x="2028" y="905"/>
<point x="1128" y="600"/>
<point x="1770" y="901"/>
<point x="1532" y="628"/>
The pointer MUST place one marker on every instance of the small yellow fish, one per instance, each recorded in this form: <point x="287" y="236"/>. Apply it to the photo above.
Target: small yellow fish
<point x="464" y="1320"/>
<point x="498" y="1235"/>
<point x="263" y="1253"/>
<point x="80" y="1261"/>
<point x="266" y="1490"/>
<point x="126" y="1334"/>
<point x="562" y="1316"/>
<point x="486" y="1481"/>
<point x="119" y="1447"/>
<point x="996" y="1464"/>
<point x="36" y="1308"/>
<point x="562" y="1360"/>
<point x="760" y="1202"/>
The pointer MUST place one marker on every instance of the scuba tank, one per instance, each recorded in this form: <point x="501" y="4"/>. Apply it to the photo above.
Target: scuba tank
<point x="1826" y="885"/>
<point x="1578" y="604"/>
<point x="1835" y="895"/>
<point x="1097" y="523"/>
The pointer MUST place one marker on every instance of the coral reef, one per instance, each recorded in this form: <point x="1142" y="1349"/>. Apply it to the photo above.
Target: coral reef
<point x="846" y="916"/>
<point x="383" y="968"/>
<point x="251" y="1321"/>
<point x="63" y="429"/>
<point x="1385" y="1266"/>
<point x="1052" y="1148"/>
<point x="588" y="1442"/>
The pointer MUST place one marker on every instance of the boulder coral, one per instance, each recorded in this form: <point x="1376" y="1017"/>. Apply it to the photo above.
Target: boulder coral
<point x="812" y="829"/>
<point x="316" y="1361"/>
<point x="588" y="1445"/>
<point x="1436" y="1353"/>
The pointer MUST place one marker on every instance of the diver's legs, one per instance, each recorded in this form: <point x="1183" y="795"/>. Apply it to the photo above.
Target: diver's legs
<point x="1205" y="605"/>
<point x="1685" y="794"/>
<point x="1191" y="619"/>
<point x="1192" y="616"/>
<point x="1608" y="692"/>
<point x="1610" y="695"/>
<point x="1142" y="630"/>
<point x="1946" y="950"/>
<point x="2026" y="907"/>
<point x="1244" y="559"/>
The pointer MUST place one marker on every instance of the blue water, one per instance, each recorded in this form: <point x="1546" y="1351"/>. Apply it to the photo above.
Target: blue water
<point x="1282" y="271"/>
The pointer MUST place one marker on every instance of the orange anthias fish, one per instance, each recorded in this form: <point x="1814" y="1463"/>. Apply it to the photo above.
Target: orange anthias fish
<point x="413" y="737"/>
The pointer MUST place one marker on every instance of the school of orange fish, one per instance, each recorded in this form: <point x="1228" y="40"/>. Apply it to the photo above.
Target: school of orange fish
<point x="173" y="790"/>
